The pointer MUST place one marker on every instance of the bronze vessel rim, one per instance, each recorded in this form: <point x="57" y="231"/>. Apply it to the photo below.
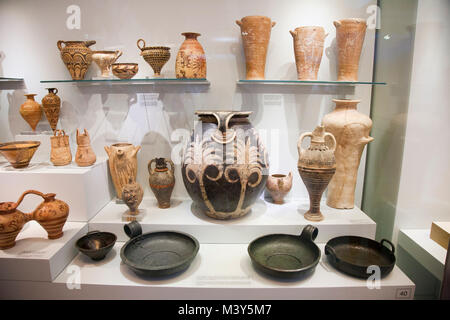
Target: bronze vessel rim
<point x="10" y="146"/>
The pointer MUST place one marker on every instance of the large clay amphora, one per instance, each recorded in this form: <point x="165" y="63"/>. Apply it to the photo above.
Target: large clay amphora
<point x="316" y="166"/>
<point x="77" y="57"/>
<point x="162" y="180"/>
<point x="31" y="111"/>
<point x="350" y="35"/>
<point x="51" y="104"/>
<point x="60" y="154"/>
<point x="308" y="50"/>
<point x="122" y="164"/>
<point x="255" y="31"/>
<point x="351" y="130"/>
<point x="225" y="165"/>
<point x="85" y="155"/>
<point x="191" y="58"/>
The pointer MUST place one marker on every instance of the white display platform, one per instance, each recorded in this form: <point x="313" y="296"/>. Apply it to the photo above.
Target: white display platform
<point x="85" y="189"/>
<point x="220" y="271"/>
<point x="265" y="218"/>
<point x="35" y="257"/>
<point x="430" y="254"/>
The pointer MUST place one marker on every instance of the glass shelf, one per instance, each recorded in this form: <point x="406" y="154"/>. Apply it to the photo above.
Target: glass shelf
<point x="309" y="82"/>
<point x="4" y="79"/>
<point x="157" y="81"/>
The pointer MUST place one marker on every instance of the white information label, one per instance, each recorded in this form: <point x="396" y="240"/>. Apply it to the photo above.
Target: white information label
<point x="403" y="293"/>
<point x="273" y="100"/>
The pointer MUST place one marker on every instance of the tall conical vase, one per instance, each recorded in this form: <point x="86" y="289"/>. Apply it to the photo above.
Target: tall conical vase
<point x="51" y="104"/>
<point x="255" y="31"/>
<point x="31" y="111"/>
<point x="351" y="130"/>
<point x="350" y="35"/>
<point x="308" y="50"/>
<point x="191" y="58"/>
<point x="316" y="166"/>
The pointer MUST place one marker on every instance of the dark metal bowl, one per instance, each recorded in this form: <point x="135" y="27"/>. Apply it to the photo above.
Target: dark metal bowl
<point x="158" y="253"/>
<point x="284" y="255"/>
<point x="96" y="244"/>
<point x="354" y="255"/>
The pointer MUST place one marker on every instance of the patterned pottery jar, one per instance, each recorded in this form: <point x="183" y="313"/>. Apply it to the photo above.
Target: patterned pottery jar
<point x="225" y="165"/>
<point x="125" y="70"/>
<point x="31" y="111"/>
<point x="191" y="59"/>
<point x="162" y="180"/>
<point x="51" y="104"/>
<point x="156" y="57"/>
<point x="77" y="57"/>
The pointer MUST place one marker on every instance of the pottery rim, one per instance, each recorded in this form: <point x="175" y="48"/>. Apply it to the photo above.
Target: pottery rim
<point x="11" y="146"/>
<point x="347" y="100"/>
<point x="191" y="34"/>
<point x="121" y="144"/>
<point x="30" y="95"/>
<point x="278" y="175"/>
<point x="125" y="64"/>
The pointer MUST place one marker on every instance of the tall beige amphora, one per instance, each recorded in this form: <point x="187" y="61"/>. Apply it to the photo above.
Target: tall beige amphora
<point x="351" y="130"/>
<point x="308" y="50"/>
<point x="122" y="164"/>
<point x="350" y="35"/>
<point x="255" y="31"/>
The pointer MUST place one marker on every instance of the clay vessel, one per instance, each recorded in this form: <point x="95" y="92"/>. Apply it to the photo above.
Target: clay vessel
<point x="77" y="57"/>
<point x="51" y="104"/>
<point x="316" y="166"/>
<point x="162" y="180"/>
<point x="60" y="154"/>
<point x="85" y="155"/>
<point x="191" y="59"/>
<point x="350" y="35"/>
<point x="104" y="59"/>
<point x="156" y="57"/>
<point x="31" y="111"/>
<point x="279" y="186"/>
<point x="132" y="194"/>
<point x="19" y="153"/>
<point x="51" y="214"/>
<point x="125" y="70"/>
<point x="255" y="31"/>
<point x="225" y="164"/>
<point x="308" y="50"/>
<point x="122" y="164"/>
<point x="351" y="130"/>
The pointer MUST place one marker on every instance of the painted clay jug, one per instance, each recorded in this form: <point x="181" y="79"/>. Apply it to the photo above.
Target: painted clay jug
<point x="351" y="130"/>
<point x="225" y="165"/>
<point x="350" y="35"/>
<point x="156" y="57"/>
<point x="51" y="214"/>
<point x="51" y="104"/>
<point x="191" y="59"/>
<point x="104" y="60"/>
<point x="308" y="50"/>
<point x="60" y="154"/>
<point x="31" y="111"/>
<point x="279" y="186"/>
<point x="85" y="155"/>
<point x="255" y="31"/>
<point x="316" y="166"/>
<point x="122" y="164"/>
<point x="77" y="57"/>
<point x="132" y="194"/>
<point x="162" y="180"/>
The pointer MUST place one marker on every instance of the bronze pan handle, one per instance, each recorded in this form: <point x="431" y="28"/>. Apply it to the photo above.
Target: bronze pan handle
<point x="309" y="233"/>
<point x="329" y="251"/>
<point x="390" y="243"/>
<point x="133" y="229"/>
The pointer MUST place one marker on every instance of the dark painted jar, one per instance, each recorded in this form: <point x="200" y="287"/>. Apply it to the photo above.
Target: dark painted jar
<point x="225" y="165"/>
<point x="162" y="180"/>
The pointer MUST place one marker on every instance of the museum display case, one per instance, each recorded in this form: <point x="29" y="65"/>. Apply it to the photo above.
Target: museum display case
<point x="183" y="179"/>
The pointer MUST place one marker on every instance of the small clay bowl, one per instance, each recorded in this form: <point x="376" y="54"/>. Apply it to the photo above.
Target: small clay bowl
<point x="125" y="70"/>
<point x="96" y="244"/>
<point x="19" y="153"/>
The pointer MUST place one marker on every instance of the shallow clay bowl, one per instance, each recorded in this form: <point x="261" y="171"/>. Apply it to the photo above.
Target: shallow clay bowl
<point x="19" y="153"/>
<point x="96" y="244"/>
<point x="125" y="70"/>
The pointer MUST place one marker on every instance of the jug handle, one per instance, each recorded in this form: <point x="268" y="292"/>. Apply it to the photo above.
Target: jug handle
<point x="292" y="33"/>
<point x="46" y="196"/>
<point x="118" y="54"/>
<point x="300" y="140"/>
<point x="172" y="167"/>
<point x="239" y="23"/>
<point x="337" y="23"/>
<point x="89" y="43"/>
<point x="150" y="169"/>
<point x="327" y="134"/>
<point x="139" y="41"/>
<point x="59" y="44"/>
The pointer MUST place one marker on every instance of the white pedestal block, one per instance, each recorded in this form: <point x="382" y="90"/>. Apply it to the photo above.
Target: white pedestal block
<point x="35" y="257"/>
<point x="264" y="218"/>
<point x="220" y="271"/>
<point x="42" y="153"/>
<point x="85" y="189"/>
